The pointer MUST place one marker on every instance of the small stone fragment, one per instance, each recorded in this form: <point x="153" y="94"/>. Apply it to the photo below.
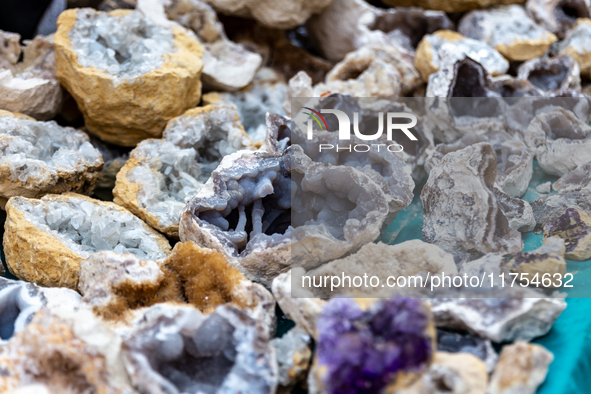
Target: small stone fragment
<point x="45" y="240"/>
<point x="428" y="57"/>
<point x="162" y="175"/>
<point x="453" y="373"/>
<point x="558" y="16"/>
<point x="50" y="351"/>
<point x="176" y="349"/>
<point x="522" y="367"/>
<point x="135" y="59"/>
<point x="561" y="141"/>
<point x="576" y="180"/>
<point x="550" y="208"/>
<point x="28" y="85"/>
<point x="509" y="30"/>
<point x="38" y="158"/>
<point x="462" y="212"/>
<point x="293" y="356"/>
<point x="551" y="75"/>
<point x="574" y="227"/>
<point x="518" y="212"/>
<point x="545" y="188"/>
<point x="455" y="342"/>
<point x="346" y="25"/>
<point x="576" y="45"/>
<point x="545" y="261"/>
<point x="367" y="346"/>
<point x="450" y="6"/>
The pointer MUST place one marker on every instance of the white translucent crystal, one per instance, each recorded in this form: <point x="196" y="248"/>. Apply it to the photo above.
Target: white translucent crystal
<point x="124" y="47"/>
<point x="86" y="227"/>
<point x="35" y="150"/>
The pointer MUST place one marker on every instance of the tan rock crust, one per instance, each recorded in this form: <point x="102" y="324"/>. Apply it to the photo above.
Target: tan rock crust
<point x="132" y="110"/>
<point x="450" y="5"/>
<point x="37" y="256"/>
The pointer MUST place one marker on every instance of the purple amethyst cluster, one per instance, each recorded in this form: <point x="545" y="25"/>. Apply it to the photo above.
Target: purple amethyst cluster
<point x="365" y="350"/>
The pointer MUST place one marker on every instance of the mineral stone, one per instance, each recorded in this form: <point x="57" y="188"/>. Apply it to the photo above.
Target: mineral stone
<point x="38" y="158"/>
<point x="550" y="208"/>
<point x="281" y="14"/>
<point x="450" y="6"/>
<point x="518" y="212"/>
<point x="243" y="211"/>
<point x="520" y="317"/>
<point x="428" y="58"/>
<point x="293" y="356"/>
<point x="462" y="212"/>
<point x="545" y="188"/>
<point x="455" y="342"/>
<point x="45" y="240"/>
<point x="371" y="347"/>
<point x="125" y="59"/>
<point x="554" y="74"/>
<point x="514" y="159"/>
<point x="19" y="301"/>
<point x="558" y="16"/>
<point x="453" y="373"/>
<point x="511" y="87"/>
<point x="576" y="180"/>
<point x="576" y="45"/>
<point x="28" y="85"/>
<point x="547" y="259"/>
<point x="226" y="65"/>
<point x="347" y="25"/>
<point x="560" y="141"/>
<point x="162" y="175"/>
<point x="176" y="349"/>
<point x="300" y="85"/>
<point x="279" y="133"/>
<point x="522" y="367"/>
<point x="406" y="259"/>
<point x="51" y="352"/>
<point x="574" y="227"/>
<point x="509" y="30"/>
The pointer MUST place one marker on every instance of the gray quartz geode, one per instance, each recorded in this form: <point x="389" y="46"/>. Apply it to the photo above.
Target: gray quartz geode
<point x="462" y="211"/>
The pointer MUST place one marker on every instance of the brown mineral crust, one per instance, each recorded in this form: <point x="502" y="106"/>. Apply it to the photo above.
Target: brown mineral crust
<point x="48" y="352"/>
<point x="82" y="182"/>
<point x="133" y="110"/>
<point x="450" y="5"/>
<point x="37" y="256"/>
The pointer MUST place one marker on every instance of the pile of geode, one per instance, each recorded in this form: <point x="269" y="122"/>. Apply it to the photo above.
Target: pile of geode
<point x="179" y="114"/>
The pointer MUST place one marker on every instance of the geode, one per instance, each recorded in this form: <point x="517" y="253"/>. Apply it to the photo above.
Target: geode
<point x="429" y="57"/>
<point x="371" y="347"/>
<point x="161" y="176"/>
<point x="561" y="141"/>
<point x="558" y="16"/>
<point x="243" y="211"/>
<point x="45" y="240"/>
<point x="514" y="159"/>
<point x="518" y="212"/>
<point x="125" y="59"/>
<point x="176" y="349"/>
<point x="457" y="342"/>
<point x="550" y="208"/>
<point x="19" y="301"/>
<point x="576" y="45"/>
<point x="556" y="74"/>
<point x="521" y="368"/>
<point x="576" y="180"/>
<point x="509" y="30"/>
<point x="462" y="212"/>
<point x="574" y="227"/>
<point x="546" y="261"/>
<point x="38" y="158"/>
<point x="226" y="65"/>
<point x="28" y="85"/>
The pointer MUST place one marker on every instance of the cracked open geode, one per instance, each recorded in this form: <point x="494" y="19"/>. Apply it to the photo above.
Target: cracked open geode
<point x="551" y="75"/>
<point x="38" y="158"/>
<point x="161" y="176"/>
<point x="45" y="240"/>
<point x="243" y="211"/>
<point x="125" y="59"/>
<point x="175" y="349"/>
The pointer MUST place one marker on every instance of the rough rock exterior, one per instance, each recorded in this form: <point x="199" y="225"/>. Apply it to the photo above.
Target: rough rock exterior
<point x="45" y="240"/>
<point x="545" y="261"/>
<point x="28" y="86"/>
<point x="576" y="180"/>
<point x="38" y="158"/>
<point x="574" y="227"/>
<point x="450" y="5"/>
<point x="132" y="109"/>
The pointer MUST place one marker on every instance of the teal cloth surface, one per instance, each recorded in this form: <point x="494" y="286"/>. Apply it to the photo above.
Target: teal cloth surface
<point x="570" y="337"/>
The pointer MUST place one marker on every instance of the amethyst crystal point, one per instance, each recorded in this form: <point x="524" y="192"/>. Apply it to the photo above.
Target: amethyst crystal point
<point x="365" y="350"/>
<point x="575" y="228"/>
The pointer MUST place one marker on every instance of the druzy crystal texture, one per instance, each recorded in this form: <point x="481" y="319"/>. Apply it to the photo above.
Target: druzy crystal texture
<point x="366" y="347"/>
<point x="38" y="158"/>
<point x="126" y="59"/>
<point x="56" y="233"/>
